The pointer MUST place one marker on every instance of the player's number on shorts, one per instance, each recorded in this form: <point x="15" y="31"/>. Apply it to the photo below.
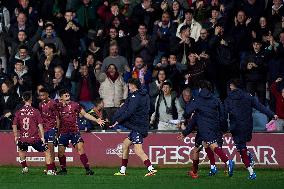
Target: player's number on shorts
<point x="26" y="123"/>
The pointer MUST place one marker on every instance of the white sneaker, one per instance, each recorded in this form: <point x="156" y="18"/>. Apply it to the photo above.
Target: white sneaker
<point x="51" y="172"/>
<point x="25" y="170"/>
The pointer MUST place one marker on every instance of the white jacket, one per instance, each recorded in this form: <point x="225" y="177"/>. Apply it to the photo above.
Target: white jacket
<point x="112" y="92"/>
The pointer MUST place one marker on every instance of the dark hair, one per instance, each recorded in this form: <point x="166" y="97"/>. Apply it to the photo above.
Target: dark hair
<point x="49" y="25"/>
<point x="63" y="91"/>
<point x="112" y="65"/>
<point x="98" y="101"/>
<point x="142" y="24"/>
<point x="52" y="46"/>
<point x="189" y="11"/>
<point x="204" y="84"/>
<point x="237" y="83"/>
<point x="23" y="47"/>
<point x="160" y="70"/>
<point x="19" y="61"/>
<point x="43" y="90"/>
<point x="135" y="82"/>
<point x="167" y="83"/>
<point x="27" y="95"/>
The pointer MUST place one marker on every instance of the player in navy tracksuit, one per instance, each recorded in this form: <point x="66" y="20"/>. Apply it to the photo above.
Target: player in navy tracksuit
<point x="210" y="117"/>
<point x="192" y="123"/>
<point x="134" y="114"/>
<point x="239" y="105"/>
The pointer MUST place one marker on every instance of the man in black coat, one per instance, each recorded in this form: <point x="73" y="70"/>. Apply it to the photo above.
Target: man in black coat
<point x="134" y="115"/>
<point x="239" y="105"/>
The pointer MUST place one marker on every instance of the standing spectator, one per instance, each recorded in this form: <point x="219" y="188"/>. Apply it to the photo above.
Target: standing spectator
<point x="120" y="62"/>
<point x="177" y="12"/>
<point x="26" y="8"/>
<point x="279" y="96"/>
<point x="143" y="13"/>
<point x="113" y="90"/>
<point x="29" y="64"/>
<point x="183" y="44"/>
<point x="49" y="37"/>
<point x="21" y="24"/>
<point x="143" y="45"/>
<point x="140" y="71"/>
<point x="48" y="61"/>
<point x="241" y="33"/>
<point x="155" y="88"/>
<point x="4" y="26"/>
<point x="224" y="59"/>
<point x="167" y="108"/>
<point x="87" y="86"/>
<point x="87" y="14"/>
<point x="21" y="78"/>
<point x="69" y="29"/>
<point x="195" y="72"/>
<point x="57" y="83"/>
<point x="255" y="71"/>
<point x="163" y="33"/>
<point x="276" y="17"/>
<point x="121" y="41"/>
<point x="195" y="27"/>
<point x="8" y="103"/>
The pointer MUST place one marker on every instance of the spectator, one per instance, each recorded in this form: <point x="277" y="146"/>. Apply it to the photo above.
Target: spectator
<point x="279" y="96"/>
<point x="195" y="72"/>
<point x="57" y="83"/>
<point x="143" y="45"/>
<point x="26" y="8"/>
<point x="48" y="61"/>
<point x="177" y="12"/>
<point x="86" y="85"/>
<point x="140" y="71"/>
<point x="95" y="50"/>
<point x="163" y="33"/>
<point x="87" y="14"/>
<point x="155" y="88"/>
<point x="183" y="44"/>
<point x="255" y="71"/>
<point x="8" y="102"/>
<point x="4" y="26"/>
<point x="120" y="62"/>
<point x="167" y="108"/>
<point x="69" y="29"/>
<point x="21" y="24"/>
<point x="3" y="75"/>
<point x="21" y="78"/>
<point x="195" y="27"/>
<point x="143" y="13"/>
<point x="49" y="37"/>
<point x="185" y="98"/>
<point x="112" y="90"/>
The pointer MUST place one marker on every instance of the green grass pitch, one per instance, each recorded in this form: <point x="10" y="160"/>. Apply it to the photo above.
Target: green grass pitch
<point x="174" y="178"/>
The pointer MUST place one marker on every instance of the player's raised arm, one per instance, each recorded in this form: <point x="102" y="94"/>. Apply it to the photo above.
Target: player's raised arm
<point x="92" y="118"/>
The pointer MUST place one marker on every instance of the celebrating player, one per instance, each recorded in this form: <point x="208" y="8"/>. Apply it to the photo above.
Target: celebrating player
<point x="134" y="115"/>
<point x="69" y="130"/>
<point x="210" y="116"/>
<point x="28" y="120"/>
<point x="239" y="105"/>
<point x="198" y="147"/>
<point x="49" y="113"/>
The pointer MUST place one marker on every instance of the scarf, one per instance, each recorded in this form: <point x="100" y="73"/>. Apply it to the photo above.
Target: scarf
<point x="114" y="77"/>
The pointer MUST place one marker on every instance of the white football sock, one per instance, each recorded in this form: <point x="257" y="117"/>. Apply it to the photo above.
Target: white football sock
<point x="212" y="166"/>
<point x="150" y="168"/>
<point x="122" y="169"/>
<point x="250" y="169"/>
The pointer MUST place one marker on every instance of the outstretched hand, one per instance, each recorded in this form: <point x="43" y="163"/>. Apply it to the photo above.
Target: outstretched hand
<point x="114" y="125"/>
<point x="101" y="122"/>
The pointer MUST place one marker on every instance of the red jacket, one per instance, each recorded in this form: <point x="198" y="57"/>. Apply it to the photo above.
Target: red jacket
<point x="279" y="101"/>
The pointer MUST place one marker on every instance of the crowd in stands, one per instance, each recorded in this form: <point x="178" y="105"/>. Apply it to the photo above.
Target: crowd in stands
<point x="92" y="48"/>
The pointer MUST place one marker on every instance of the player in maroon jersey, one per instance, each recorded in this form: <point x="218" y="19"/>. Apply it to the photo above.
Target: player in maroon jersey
<point x="50" y="117"/>
<point x="29" y="122"/>
<point x="69" y="130"/>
